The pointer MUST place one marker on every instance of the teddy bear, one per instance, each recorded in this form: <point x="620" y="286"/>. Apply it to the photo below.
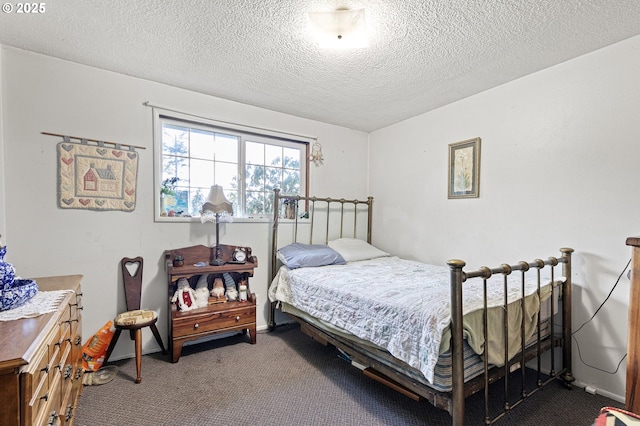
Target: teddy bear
<point x="202" y="291"/>
<point x="218" y="288"/>
<point x="184" y="297"/>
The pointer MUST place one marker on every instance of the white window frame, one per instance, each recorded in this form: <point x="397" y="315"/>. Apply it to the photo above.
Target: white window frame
<point x="245" y="132"/>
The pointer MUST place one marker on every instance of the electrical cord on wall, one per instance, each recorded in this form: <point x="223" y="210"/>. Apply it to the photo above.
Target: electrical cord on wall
<point x="590" y="319"/>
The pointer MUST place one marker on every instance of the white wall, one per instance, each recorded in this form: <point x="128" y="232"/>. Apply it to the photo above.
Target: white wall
<point x="45" y="94"/>
<point x="559" y="167"/>
<point x="3" y="216"/>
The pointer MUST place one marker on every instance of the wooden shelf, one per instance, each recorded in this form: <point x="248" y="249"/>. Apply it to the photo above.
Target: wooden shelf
<point x="215" y="318"/>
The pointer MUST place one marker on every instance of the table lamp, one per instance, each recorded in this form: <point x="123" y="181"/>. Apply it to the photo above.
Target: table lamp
<point x="215" y="206"/>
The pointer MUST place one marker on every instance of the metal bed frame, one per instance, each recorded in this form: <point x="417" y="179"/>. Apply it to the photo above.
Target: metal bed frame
<point x="392" y="375"/>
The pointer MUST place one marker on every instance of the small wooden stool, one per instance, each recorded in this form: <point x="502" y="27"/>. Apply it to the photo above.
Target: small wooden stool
<point x="134" y="319"/>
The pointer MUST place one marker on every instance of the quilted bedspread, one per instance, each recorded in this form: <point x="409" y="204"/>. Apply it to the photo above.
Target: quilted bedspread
<point x="403" y="305"/>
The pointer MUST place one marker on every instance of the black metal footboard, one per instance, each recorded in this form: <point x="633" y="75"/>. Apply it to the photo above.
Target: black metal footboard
<point x="527" y="352"/>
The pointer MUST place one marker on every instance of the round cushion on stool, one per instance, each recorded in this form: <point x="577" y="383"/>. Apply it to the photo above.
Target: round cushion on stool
<point x="138" y="317"/>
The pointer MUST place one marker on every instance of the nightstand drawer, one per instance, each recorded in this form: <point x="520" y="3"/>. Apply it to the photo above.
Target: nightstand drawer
<point x="212" y="321"/>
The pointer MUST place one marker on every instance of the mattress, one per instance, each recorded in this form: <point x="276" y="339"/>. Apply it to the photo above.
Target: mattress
<point x="400" y="307"/>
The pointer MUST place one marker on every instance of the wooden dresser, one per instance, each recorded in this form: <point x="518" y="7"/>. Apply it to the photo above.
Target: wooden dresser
<point x="632" y="396"/>
<point x="40" y="361"/>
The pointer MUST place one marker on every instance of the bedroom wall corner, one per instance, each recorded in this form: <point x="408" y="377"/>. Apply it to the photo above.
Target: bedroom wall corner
<point x="559" y="167"/>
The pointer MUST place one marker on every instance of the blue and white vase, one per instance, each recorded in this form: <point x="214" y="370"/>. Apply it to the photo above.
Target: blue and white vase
<point x="7" y="271"/>
<point x="13" y="292"/>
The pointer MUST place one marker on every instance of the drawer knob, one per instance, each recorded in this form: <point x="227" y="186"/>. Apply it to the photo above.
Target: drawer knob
<point x="196" y="325"/>
<point x="238" y="318"/>
<point x="52" y="418"/>
<point x="69" y="414"/>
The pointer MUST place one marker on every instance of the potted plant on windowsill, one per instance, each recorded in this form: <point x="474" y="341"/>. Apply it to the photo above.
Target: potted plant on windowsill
<point x="167" y="194"/>
<point x="290" y="208"/>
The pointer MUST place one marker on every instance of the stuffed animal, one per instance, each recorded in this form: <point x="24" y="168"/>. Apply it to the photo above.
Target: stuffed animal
<point x="202" y="291"/>
<point x="218" y="288"/>
<point x="184" y="297"/>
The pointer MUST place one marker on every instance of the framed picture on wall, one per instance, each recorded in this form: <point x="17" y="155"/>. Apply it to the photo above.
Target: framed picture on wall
<point x="464" y="169"/>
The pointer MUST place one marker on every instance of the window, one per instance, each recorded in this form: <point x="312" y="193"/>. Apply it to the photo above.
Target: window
<point x="248" y="164"/>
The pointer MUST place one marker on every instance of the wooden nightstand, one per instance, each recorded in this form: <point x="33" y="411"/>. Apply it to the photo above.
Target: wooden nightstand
<point x="215" y="318"/>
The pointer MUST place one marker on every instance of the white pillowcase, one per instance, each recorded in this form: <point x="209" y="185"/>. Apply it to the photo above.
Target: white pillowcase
<point x="353" y="249"/>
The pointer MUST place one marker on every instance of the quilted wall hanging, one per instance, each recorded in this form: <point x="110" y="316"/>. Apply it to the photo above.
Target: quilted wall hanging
<point x="100" y="176"/>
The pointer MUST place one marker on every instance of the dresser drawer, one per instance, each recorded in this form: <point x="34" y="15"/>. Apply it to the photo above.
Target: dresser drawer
<point x="70" y="364"/>
<point x="40" y="379"/>
<point x="214" y="321"/>
<point x="66" y="384"/>
<point x="76" y="308"/>
<point x="40" y="396"/>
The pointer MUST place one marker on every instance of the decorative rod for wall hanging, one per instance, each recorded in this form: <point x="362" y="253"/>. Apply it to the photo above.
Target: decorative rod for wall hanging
<point x="116" y="144"/>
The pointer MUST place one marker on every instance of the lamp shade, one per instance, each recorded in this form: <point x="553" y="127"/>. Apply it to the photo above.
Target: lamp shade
<point x="216" y="202"/>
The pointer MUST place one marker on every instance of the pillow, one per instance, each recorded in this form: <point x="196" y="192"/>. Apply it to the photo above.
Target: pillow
<point x="353" y="249"/>
<point x="299" y="255"/>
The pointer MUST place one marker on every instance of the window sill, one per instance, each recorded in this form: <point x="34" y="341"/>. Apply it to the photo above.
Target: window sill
<point x="251" y="219"/>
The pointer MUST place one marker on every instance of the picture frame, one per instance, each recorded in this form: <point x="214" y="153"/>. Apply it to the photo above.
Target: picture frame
<point x="464" y="169"/>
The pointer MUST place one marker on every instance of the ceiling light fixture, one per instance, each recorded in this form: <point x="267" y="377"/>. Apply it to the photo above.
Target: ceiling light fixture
<point x="341" y="28"/>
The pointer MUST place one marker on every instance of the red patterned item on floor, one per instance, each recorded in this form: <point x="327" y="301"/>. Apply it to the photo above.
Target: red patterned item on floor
<point x="611" y="416"/>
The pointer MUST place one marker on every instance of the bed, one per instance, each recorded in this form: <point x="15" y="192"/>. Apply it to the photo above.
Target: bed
<point x="433" y="332"/>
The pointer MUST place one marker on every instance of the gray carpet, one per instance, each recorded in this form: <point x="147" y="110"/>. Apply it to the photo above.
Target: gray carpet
<point x="288" y="379"/>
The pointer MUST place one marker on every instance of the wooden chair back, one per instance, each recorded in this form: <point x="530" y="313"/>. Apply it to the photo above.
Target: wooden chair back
<point x="132" y="277"/>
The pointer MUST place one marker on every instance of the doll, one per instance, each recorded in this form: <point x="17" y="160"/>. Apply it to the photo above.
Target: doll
<point x="202" y="292"/>
<point x="242" y="293"/>
<point x="230" y="286"/>
<point x="184" y="297"/>
<point x="218" y="288"/>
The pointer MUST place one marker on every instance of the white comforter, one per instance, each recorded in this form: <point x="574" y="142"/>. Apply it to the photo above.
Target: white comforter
<point x="398" y="304"/>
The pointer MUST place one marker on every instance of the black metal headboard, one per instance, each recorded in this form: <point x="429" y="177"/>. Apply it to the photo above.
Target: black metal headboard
<point x="317" y="220"/>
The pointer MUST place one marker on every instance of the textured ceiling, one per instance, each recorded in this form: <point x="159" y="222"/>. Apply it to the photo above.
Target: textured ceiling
<point x="422" y="54"/>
